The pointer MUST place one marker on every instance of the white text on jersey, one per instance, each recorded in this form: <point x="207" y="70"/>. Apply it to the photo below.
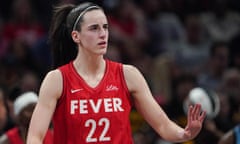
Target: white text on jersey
<point x="111" y="88"/>
<point x="83" y="106"/>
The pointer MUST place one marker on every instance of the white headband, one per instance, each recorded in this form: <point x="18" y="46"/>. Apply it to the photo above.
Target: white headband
<point x="24" y="100"/>
<point x="81" y="14"/>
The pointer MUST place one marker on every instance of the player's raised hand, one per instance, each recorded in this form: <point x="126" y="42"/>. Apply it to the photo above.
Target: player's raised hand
<point x="195" y="120"/>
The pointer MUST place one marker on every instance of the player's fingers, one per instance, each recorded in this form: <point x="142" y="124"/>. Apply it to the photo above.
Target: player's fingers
<point x="202" y="116"/>
<point x="198" y="111"/>
<point x="190" y="113"/>
<point x="194" y="111"/>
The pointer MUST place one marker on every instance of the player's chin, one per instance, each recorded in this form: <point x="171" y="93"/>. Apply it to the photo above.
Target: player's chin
<point x="102" y="51"/>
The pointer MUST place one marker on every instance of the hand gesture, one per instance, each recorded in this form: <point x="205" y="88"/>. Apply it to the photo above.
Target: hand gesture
<point x="195" y="120"/>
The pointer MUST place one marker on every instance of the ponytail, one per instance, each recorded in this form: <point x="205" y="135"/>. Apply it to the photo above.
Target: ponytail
<point x="63" y="47"/>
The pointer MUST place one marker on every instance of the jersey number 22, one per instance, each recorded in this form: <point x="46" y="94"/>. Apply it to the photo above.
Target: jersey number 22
<point x="93" y="125"/>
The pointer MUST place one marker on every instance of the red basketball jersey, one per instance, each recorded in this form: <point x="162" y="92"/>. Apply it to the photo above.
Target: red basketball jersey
<point x="93" y="115"/>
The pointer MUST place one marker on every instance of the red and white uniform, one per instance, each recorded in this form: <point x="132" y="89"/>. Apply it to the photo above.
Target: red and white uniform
<point x="93" y="115"/>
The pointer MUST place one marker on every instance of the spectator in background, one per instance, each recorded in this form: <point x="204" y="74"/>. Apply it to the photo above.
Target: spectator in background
<point x="28" y="81"/>
<point x="23" y="23"/>
<point x="128" y="25"/>
<point x="231" y="82"/>
<point x="19" y="55"/>
<point x="231" y="85"/>
<point x="23" y="109"/>
<point x="162" y="25"/>
<point x="216" y="65"/>
<point x="16" y="62"/>
<point x="191" y="53"/>
<point x="223" y="121"/>
<point x="221" y="24"/>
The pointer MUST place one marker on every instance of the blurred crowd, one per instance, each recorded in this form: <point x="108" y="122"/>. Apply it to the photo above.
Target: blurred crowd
<point x="177" y="45"/>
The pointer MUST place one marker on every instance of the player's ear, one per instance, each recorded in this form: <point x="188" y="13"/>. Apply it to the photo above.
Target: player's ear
<point x="75" y="36"/>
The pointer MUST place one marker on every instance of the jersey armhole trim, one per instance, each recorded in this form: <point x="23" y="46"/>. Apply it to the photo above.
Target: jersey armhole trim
<point x="124" y="80"/>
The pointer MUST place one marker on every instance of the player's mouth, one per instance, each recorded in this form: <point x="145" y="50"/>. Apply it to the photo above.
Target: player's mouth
<point x="102" y="44"/>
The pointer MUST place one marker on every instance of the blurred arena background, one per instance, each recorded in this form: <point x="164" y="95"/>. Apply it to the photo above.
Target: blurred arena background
<point x="177" y="45"/>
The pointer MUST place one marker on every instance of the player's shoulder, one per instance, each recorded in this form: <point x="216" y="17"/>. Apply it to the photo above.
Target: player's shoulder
<point x="55" y="72"/>
<point x="52" y="83"/>
<point x="53" y="75"/>
<point x="127" y="68"/>
<point x="131" y="72"/>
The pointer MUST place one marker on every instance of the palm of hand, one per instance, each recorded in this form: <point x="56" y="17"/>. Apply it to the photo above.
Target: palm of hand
<point x="195" y="120"/>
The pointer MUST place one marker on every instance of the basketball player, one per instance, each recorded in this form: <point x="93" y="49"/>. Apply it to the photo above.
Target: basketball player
<point x="89" y="98"/>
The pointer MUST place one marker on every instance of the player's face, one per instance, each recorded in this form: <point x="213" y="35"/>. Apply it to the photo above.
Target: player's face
<point x="94" y="32"/>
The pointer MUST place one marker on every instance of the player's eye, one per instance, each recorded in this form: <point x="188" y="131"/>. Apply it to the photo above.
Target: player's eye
<point x="94" y="27"/>
<point x="105" y="26"/>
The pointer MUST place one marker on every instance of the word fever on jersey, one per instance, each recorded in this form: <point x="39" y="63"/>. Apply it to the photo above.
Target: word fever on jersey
<point x="85" y="106"/>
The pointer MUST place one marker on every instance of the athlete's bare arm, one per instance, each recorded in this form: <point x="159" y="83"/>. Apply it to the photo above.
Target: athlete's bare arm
<point x="50" y="91"/>
<point x="153" y="113"/>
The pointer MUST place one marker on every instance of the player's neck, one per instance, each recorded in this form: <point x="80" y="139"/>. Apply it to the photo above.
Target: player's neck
<point x="89" y="66"/>
<point x="91" y="73"/>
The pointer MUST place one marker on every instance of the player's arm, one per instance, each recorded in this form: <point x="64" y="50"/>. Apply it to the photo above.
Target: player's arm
<point x="153" y="113"/>
<point x="49" y="93"/>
